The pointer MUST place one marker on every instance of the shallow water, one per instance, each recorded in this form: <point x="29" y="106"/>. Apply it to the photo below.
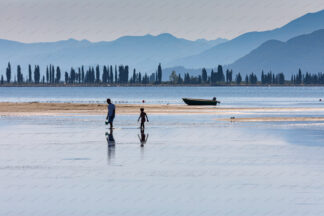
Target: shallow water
<point x="229" y="96"/>
<point x="190" y="165"/>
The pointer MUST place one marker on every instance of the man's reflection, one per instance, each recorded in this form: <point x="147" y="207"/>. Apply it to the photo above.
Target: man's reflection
<point x="111" y="144"/>
<point x="143" y="138"/>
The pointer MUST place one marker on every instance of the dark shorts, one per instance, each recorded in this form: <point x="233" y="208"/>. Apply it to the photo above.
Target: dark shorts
<point x="110" y="119"/>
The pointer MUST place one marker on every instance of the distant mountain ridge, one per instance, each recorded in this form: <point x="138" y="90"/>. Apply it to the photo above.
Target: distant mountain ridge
<point x="145" y="52"/>
<point x="230" y="51"/>
<point x="305" y="52"/>
<point x="142" y="52"/>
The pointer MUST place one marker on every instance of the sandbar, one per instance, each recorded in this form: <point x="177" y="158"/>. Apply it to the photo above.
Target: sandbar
<point x="59" y="109"/>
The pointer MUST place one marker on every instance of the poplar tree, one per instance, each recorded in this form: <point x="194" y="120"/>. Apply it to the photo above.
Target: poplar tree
<point x="29" y="74"/>
<point x="8" y="73"/>
<point x="133" y="80"/>
<point x="82" y="74"/>
<point x="47" y="74"/>
<point x="111" y="76"/>
<point x="66" y="76"/>
<point x="36" y="74"/>
<point x="220" y="74"/>
<point x="159" y="74"/>
<point x="58" y="75"/>
<point x="203" y="75"/>
<point x="52" y="69"/>
<point x="229" y="74"/>
<point x="72" y="75"/>
<point x="238" y="79"/>
<point x="116" y="77"/>
<point x="19" y="75"/>
<point x="97" y="74"/>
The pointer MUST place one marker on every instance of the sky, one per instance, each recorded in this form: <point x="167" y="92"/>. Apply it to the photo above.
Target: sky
<point x="105" y="20"/>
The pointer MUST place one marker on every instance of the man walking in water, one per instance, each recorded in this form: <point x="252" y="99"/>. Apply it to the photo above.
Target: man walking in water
<point x="111" y="113"/>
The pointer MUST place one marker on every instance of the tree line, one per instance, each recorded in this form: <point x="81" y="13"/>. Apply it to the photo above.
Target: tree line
<point x="109" y="74"/>
<point x="220" y="78"/>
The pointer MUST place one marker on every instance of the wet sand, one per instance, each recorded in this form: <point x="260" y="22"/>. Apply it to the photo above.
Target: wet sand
<point x="255" y="114"/>
<point x="274" y="119"/>
<point x="13" y="109"/>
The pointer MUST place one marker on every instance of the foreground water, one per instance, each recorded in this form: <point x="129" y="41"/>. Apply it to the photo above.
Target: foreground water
<point x="190" y="165"/>
<point x="229" y="96"/>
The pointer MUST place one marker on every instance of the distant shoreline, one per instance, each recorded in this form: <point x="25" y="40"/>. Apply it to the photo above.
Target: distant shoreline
<point x="159" y="85"/>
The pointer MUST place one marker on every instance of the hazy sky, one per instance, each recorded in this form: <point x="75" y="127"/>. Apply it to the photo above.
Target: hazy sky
<point x="98" y="20"/>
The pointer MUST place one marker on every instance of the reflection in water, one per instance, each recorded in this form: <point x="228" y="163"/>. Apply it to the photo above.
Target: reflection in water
<point x="111" y="145"/>
<point x="143" y="138"/>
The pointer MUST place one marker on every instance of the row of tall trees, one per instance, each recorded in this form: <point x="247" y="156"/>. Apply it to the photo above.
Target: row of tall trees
<point x="307" y="78"/>
<point x="212" y="78"/>
<point x="221" y="78"/>
<point x="19" y="78"/>
<point x="109" y="74"/>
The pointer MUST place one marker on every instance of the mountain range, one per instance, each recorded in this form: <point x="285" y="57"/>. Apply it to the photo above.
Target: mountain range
<point x="304" y="52"/>
<point x="142" y="52"/>
<point x="285" y="49"/>
<point x="230" y="51"/>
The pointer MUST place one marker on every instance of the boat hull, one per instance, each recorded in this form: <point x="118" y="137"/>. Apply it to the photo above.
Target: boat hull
<point x="199" y="102"/>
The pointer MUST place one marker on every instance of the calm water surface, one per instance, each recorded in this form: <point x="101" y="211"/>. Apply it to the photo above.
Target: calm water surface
<point x="229" y="96"/>
<point x="190" y="164"/>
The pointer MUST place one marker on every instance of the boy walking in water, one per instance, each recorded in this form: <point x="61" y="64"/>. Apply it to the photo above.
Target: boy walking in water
<point x="143" y="118"/>
<point x="111" y="113"/>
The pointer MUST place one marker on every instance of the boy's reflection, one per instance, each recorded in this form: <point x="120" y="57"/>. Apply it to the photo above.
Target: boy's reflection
<point x="111" y="145"/>
<point x="143" y="138"/>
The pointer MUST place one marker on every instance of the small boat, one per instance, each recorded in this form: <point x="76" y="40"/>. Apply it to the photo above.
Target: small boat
<point x="200" y="102"/>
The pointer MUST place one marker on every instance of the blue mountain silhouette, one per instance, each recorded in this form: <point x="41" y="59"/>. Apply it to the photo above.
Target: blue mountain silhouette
<point x="304" y="52"/>
<point x="230" y="51"/>
<point x="142" y="52"/>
